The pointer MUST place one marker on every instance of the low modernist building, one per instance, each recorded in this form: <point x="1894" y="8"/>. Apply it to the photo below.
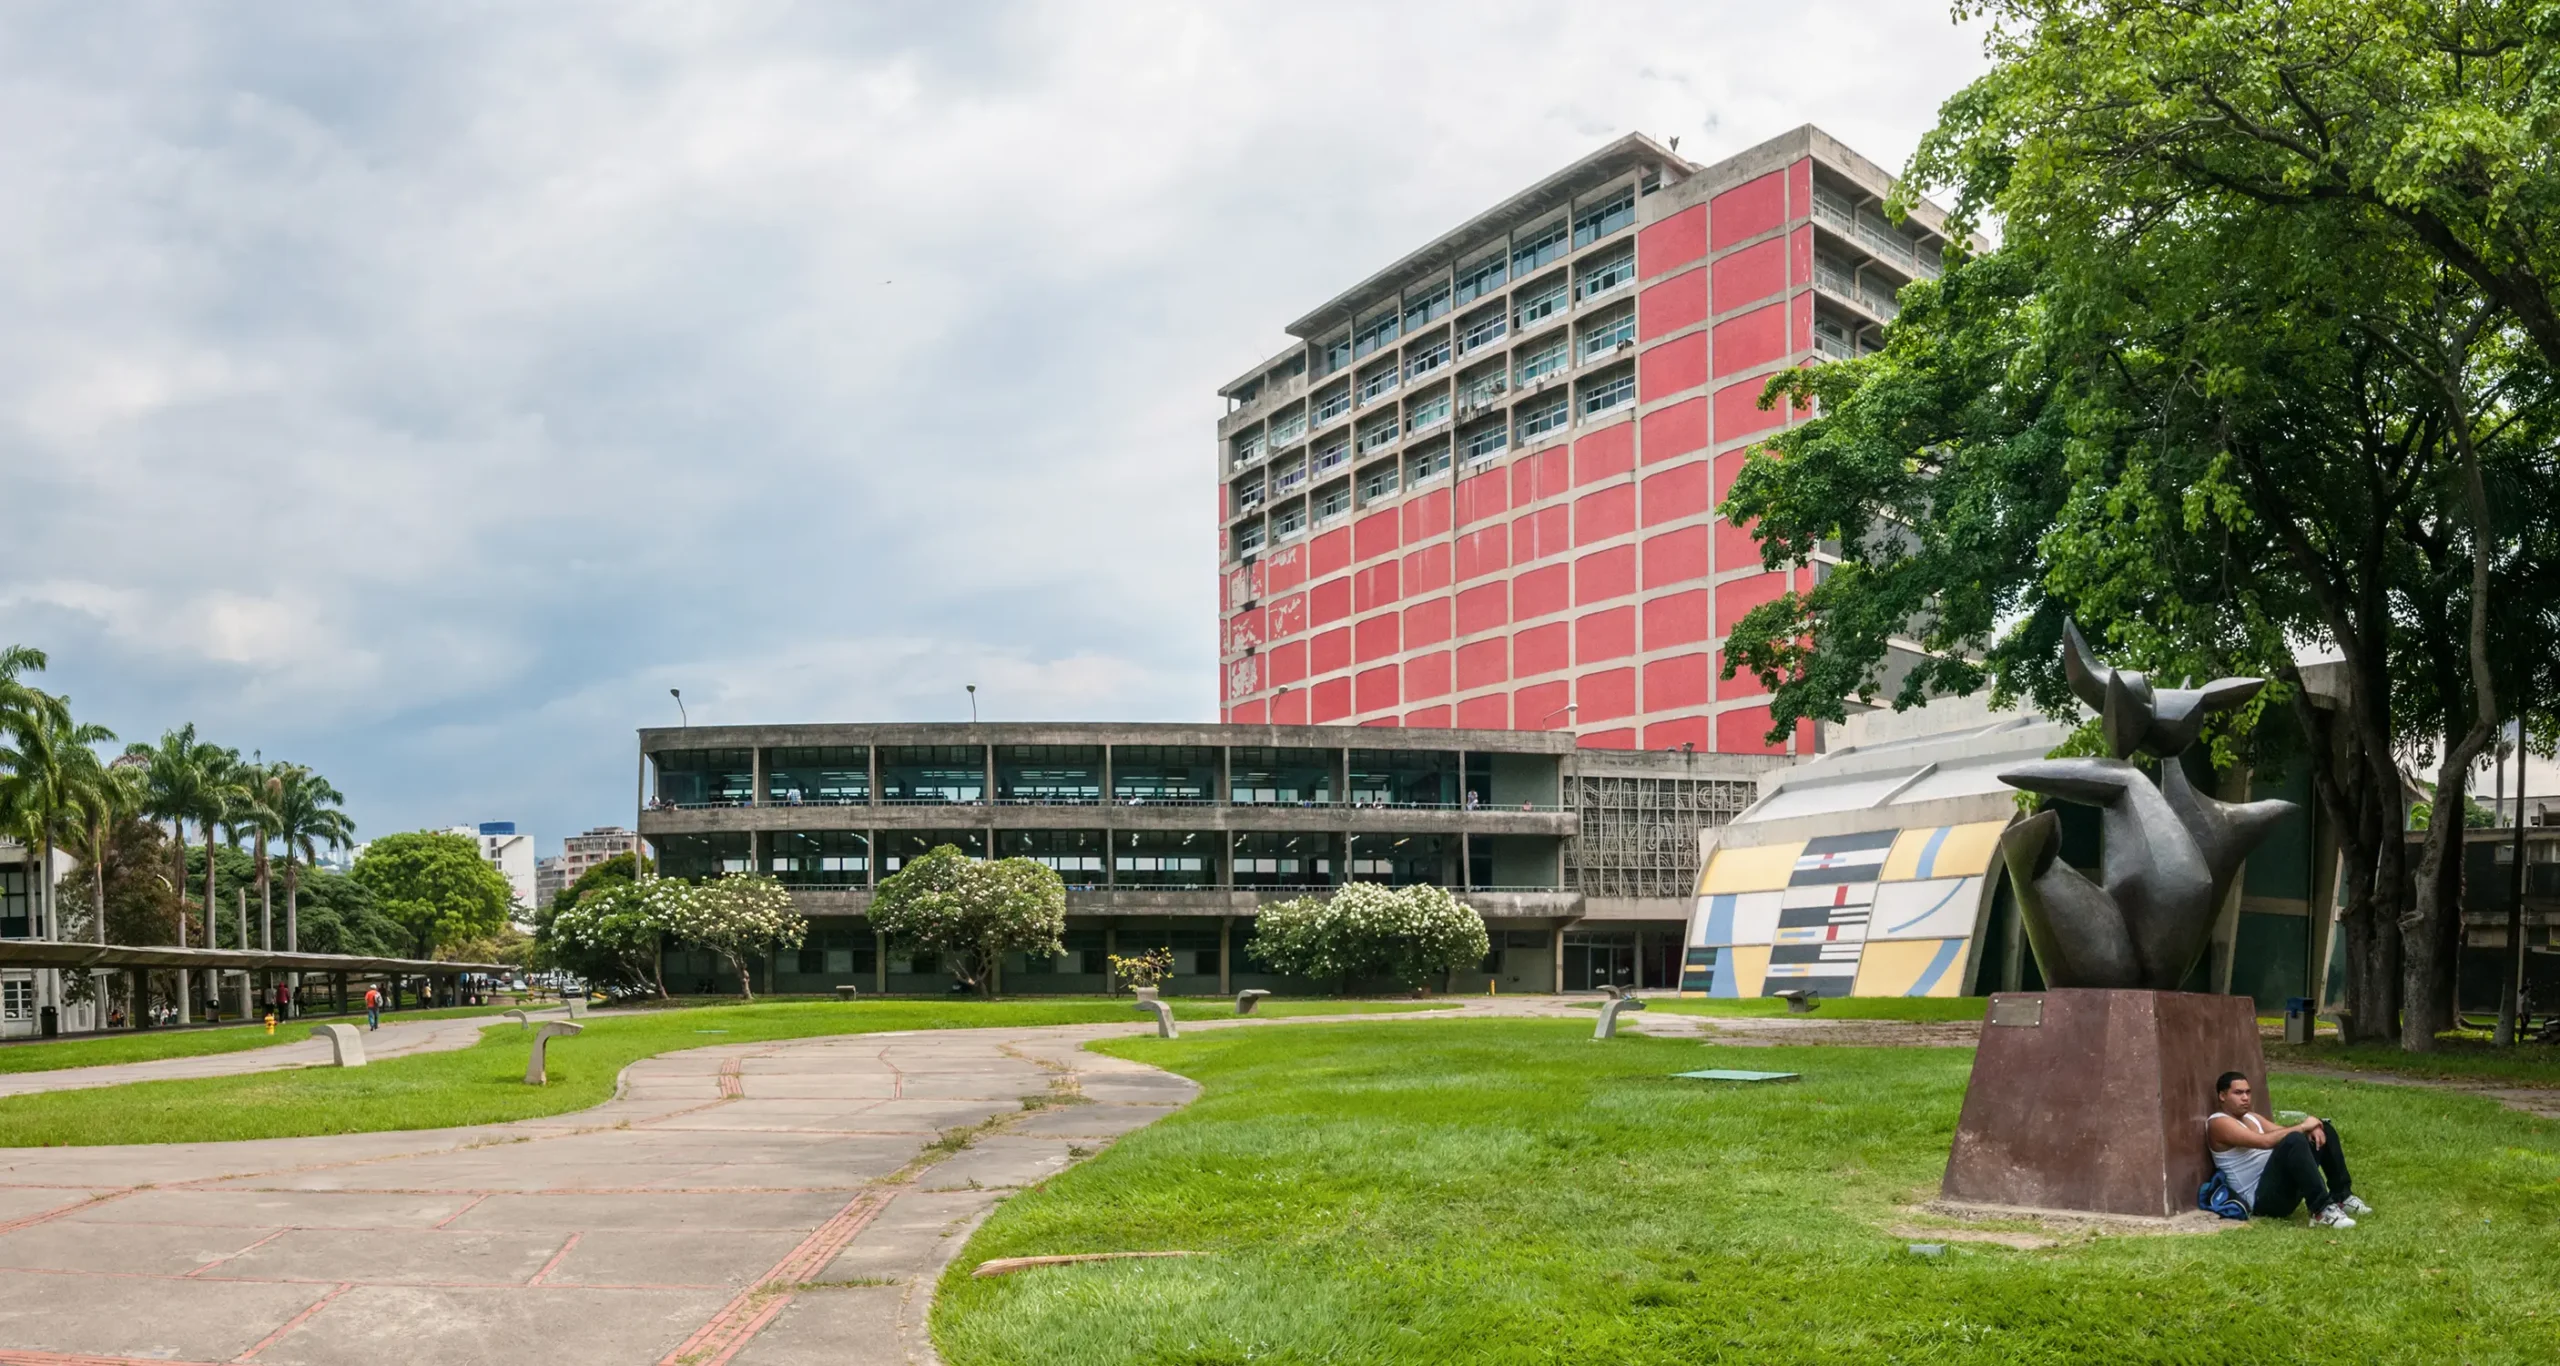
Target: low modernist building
<point x="1172" y="836"/>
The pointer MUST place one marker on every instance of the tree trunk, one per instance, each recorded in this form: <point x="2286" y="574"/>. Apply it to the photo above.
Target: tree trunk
<point x="212" y="982"/>
<point x="2426" y="997"/>
<point x="746" y="989"/>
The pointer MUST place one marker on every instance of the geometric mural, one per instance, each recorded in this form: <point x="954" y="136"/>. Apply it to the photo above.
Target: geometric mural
<point x="1875" y="913"/>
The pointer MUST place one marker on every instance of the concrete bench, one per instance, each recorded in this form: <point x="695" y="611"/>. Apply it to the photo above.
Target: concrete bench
<point x="1614" y="993"/>
<point x="1164" y="1018"/>
<point x="535" y="1073"/>
<point x="346" y="1046"/>
<point x="1247" y="999"/>
<point x="1609" y="1012"/>
<point x="522" y="1020"/>
<point x="1800" y="1000"/>
<point x="847" y="993"/>
<point x="577" y="1005"/>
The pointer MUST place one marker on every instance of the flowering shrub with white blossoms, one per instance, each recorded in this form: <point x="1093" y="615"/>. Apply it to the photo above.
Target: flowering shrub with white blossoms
<point x="738" y="917"/>
<point x="1368" y="929"/>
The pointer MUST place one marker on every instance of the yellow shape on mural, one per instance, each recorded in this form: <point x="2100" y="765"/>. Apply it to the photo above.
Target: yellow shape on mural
<point x="1943" y="851"/>
<point x="1743" y="968"/>
<point x="1751" y="868"/>
<point x="1912" y="967"/>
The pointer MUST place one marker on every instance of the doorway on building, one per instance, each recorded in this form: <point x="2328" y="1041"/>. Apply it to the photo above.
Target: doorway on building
<point x="1599" y="958"/>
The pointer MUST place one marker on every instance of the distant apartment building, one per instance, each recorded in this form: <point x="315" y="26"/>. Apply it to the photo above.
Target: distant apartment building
<point x="579" y="853"/>
<point x="508" y="852"/>
<point x="1479" y="488"/>
<point x="547" y="882"/>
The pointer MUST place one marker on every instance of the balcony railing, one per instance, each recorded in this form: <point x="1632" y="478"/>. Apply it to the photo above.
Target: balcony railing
<point x="1308" y="803"/>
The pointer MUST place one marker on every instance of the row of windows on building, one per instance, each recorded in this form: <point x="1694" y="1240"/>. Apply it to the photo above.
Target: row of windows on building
<point x="1093" y="859"/>
<point x="934" y="775"/>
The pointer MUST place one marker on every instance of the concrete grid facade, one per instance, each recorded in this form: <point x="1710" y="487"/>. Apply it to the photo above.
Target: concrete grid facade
<point x="1480" y="491"/>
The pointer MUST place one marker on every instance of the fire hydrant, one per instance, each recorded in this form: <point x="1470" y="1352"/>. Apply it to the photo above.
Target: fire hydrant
<point x="271" y="1022"/>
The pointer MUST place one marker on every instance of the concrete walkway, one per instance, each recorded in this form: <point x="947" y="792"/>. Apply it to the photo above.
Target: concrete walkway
<point x="396" y="1038"/>
<point x="754" y="1203"/>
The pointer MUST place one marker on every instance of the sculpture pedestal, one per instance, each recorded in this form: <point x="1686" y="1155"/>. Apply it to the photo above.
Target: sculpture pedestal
<point x="2097" y="1100"/>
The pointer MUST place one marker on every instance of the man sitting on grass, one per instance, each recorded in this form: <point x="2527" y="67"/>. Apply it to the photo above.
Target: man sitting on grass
<point x="2271" y="1169"/>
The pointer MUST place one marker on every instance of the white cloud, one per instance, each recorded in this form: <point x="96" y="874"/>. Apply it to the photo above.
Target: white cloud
<point x="422" y="390"/>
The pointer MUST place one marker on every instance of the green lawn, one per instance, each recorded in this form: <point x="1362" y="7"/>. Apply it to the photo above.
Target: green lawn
<point x="2455" y="1059"/>
<point x="145" y="1046"/>
<point x="1832" y="1008"/>
<point x="484" y="1084"/>
<point x="1510" y="1191"/>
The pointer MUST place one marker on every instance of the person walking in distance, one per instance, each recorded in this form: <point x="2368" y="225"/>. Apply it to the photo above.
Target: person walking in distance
<point x="373" y="1007"/>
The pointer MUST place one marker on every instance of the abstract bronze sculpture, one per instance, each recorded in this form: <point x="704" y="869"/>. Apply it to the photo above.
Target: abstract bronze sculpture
<point x="2169" y="852"/>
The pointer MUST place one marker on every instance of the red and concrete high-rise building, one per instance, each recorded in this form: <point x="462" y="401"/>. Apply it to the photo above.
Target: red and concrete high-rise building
<point x="1479" y="490"/>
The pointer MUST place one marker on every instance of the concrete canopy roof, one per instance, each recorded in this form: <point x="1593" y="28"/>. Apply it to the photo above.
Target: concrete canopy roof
<point x="51" y="953"/>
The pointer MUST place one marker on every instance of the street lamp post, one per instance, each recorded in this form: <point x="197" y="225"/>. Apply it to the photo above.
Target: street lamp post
<point x="681" y="718"/>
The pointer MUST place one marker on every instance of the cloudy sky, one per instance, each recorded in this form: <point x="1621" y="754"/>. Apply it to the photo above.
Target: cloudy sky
<point x="420" y="390"/>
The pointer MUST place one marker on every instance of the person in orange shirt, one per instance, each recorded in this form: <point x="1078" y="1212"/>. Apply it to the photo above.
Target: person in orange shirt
<point x="373" y="1007"/>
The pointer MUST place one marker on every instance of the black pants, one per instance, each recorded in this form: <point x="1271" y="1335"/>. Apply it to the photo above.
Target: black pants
<point x="2299" y="1173"/>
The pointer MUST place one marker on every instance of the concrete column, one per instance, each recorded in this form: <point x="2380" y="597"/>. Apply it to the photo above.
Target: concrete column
<point x="1226" y="955"/>
<point x="880" y="962"/>
<point x="1110" y="946"/>
<point x="1555" y="944"/>
<point x="755" y="778"/>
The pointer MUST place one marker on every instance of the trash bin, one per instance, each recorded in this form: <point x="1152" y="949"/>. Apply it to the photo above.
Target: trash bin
<point x="2297" y="1019"/>
<point x="49" y="1022"/>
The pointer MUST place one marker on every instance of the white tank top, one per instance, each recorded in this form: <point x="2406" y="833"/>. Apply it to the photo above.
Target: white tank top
<point x="2243" y="1166"/>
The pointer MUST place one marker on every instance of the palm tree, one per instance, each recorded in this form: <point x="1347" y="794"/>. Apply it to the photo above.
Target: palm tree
<point x="217" y="802"/>
<point x="44" y="758"/>
<point x="175" y="775"/>
<point x="103" y="796"/>
<point x="307" y="820"/>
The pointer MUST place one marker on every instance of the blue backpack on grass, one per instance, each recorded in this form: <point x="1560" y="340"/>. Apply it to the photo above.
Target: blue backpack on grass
<point x="2217" y="1196"/>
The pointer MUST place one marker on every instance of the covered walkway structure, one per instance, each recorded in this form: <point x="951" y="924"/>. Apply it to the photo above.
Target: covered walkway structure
<point x="432" y="980"/>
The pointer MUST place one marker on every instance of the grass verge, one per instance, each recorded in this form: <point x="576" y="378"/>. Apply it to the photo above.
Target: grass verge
<point x="2455" y="1059"/>
<point x="484" y="1084"/>
<point x="1510" y="1191"/>
<point x="1931" y="1008"/>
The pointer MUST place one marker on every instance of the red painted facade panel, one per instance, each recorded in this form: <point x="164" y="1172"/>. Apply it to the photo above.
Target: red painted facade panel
<point x="1375" y="689"/>
<point x="1752" y="339"/>
<point x="1745" y="731"/>
<point x="1604" y="574"/>
<point x="1676" y="556"/>
<point x="1744" y="683"/>
<point x="1373" y="587"/>
<point x="1332" y="701"/>
<point x="1751" y="274"/>
<point x="1678" y="492"/>
<point x="1483" y="608"/>
<point x="1604" y="697"/>
<point x="1244" y="629"/>
<point x="1674" y="304"/>
<point x="1329" y="650"/>
<point x="1429" y="718"/>
<point x="1286" y="664"/>
<point x="1426" y="516"/>
<point x="1599" y="516"/>
<point x="1800" y="188"/>
<point x="1548" y="531"/>
<point x="1485" y="713"/>
<point x="1375" y="534"/>
<point x="1329" y="553"/>
<point x="1484" y="663"/>
<point x="1693" y="732"/>
<point x="1676" y="619"/>
<point x="1737" y="596"/>
<point x="1543" y="475"/>
<point x="1738" y="410"/>
<point x="1604" y="635"/>
<point x="1250" y="714"/>
<point x="1800" y="256"/>
<point x="1800" y="325"/>
<point x="1541" y="650"/>
<point x="1289" y="708"/>
<point x="1735" y="549"/>
<point x="1541" y="706"/>
<point x="1284" y="569"/>
<point x="1375" y="638"/>
<point x="1671" y="243"/>
<point x="1484" y="552"/>
<point x="1680" y="681"/>
<point x="1605" y="454"/>
<point x="1485" y="495"/>
<point x="1678" y="364"/>
<point x="1747" y="210"/>
<point x="1426" y="676"/>
<point x="1541" y="591"/>
<point x="1675" y="431"/>
<point x="1329" y="601"/>
<point x="1426" y="623"/>
<point x="1624" y="737"/>
<point x="1427" y="570"/>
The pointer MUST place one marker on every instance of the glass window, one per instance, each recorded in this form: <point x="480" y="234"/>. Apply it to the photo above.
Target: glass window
<point x="1540" y="302"/>
<point x="1156" y="775"/>
<point x="1374" y="333"/>
<point x="1248" y="496"/>
<point x="1423" y="414"/>
<point x="932" y="775"/>
<point x="832" y="775"/>
<point x="1486" y="439"/>
<point x="1247" y="447"/>
<point x="1423" y="307"/>
<point x="1478" y="390"/>
<point x="1599" y="220"/>
<point x="1259" y="776"/>
<point x="1332" y="501"/>
<point x="1482" y="278"/>
<point x="819" y="858"/>
<point x="706" y="777"/>
<point x="834" y="953"/>
<point x="1536" y="247"/>
<point x="1483" y="329"/>
<point x="1288" y="426"/>
<point x="1541" y="361"/>
<point x="1376" y="380"/>
<point x="1609" y="272"/>
<point x="1405" y="860"/>
<point x="1046" y="774"/>
<point x="1287" y="860"/>
<point x="899" y="847"/>
<point x="704" y="855"/>
<point x="1291" y="523"/>
<point x="1378" y="433"/>
<point x="1333" y="450"/>
<point x="1333" y="403"/>
<point x="1076" y="855"/>
<point x="1165" y="858"/>
<point x="17" y="904"/>
<point x="1427" y="464"/>
<point x="1404" y="777"/>
<point x="1603" y="335"/>
<point x="1288" y="477"/>
<point x="1604" y="392"/>
<point x="1545" y="416"/>
<point x="1378" y="481"/>
<point x="1426" y="357"/>
<point x="1249" y="539"/>
<point x="1337" y="354"/>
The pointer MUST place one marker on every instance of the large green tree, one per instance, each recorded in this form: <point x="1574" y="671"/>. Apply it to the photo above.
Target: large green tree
<point x="971" y="913"/>
<point x="436" y="886"/>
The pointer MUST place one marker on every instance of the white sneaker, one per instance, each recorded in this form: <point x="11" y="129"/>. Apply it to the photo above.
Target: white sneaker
<point x="2332" y="1217"/>
<point x="2355" y="1205"/>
